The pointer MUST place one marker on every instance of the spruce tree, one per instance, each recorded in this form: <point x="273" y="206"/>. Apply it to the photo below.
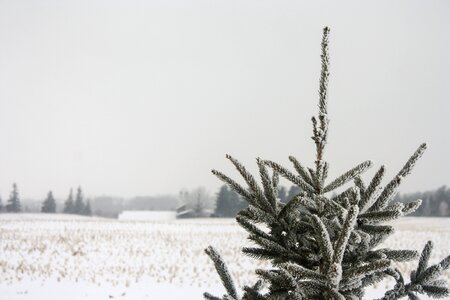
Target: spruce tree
<point x="49" y="205"/>
<point x="322" y="246"/>
<point x="294" y="190"/>
<point x="78" y="207"/>
<point x="69" y="205"/>
<point x="1" y="205"/>
<point x="14" y="201"/>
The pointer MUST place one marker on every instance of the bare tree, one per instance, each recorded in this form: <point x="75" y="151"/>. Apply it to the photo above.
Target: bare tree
<point x="199" y="201"/>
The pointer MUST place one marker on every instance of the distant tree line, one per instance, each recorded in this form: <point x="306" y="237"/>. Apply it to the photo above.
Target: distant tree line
<point x="197" y="203"/>
<point x="78" y="206"/>
<point x="435" y="203"/>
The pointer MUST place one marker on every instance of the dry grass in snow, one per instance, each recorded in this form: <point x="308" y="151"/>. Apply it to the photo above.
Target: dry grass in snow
<point x="111" y="253"/>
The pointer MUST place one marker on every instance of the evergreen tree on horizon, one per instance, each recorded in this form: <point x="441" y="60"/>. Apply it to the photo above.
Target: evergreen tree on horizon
<point x="14" y="201"/>
<point x="78" y="206"/>
<point x="49" y="205"/>
<point x="68" y="204"/>
<point x="228" y="203"/>
<point x="321" y="246"/>
<point x="1" y="205"/>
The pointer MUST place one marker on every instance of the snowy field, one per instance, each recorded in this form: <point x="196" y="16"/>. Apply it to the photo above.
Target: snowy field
<point x="69" y="257"/>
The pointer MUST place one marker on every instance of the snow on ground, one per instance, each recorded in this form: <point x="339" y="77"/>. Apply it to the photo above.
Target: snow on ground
<point x="70" y="257"/>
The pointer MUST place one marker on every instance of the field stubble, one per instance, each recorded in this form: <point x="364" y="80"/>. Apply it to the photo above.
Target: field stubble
<point x="100" y="251"/>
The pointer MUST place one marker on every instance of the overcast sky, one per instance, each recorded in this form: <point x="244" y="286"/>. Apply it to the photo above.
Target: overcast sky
<point x="146" y="97"/>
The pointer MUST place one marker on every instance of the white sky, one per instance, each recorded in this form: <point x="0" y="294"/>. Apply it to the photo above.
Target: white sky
<point x="146" y="97"/>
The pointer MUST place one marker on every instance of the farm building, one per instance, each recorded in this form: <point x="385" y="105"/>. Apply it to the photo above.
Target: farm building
<point x="185" y="212"/>
<point x="146" y="215"/>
